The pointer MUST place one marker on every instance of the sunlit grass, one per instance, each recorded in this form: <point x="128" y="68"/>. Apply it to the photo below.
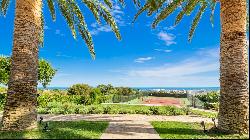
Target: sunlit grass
<point x="182" y="130"/>
<point x="61" y="130"/>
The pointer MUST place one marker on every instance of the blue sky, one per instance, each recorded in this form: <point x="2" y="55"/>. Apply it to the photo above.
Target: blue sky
<point x="144" y="58"/>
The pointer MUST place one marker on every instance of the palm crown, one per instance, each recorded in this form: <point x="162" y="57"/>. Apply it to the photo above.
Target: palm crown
<point x="74" y="17"/>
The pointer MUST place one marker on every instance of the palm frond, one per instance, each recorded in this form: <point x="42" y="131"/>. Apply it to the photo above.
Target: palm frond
<point x="82" y="27"/>
<point x="166" y="7"/>
<point x="105" y="13"/>
<point x="52" y="9"/>
<point x="186" y="10"/>
<point x="122" y="2"/>
<point x="87" y="38"/>
<point x="67" y="14"/>
<point x="92" y="5"/>
<point x="213" y="5"/>
<point x="4" y="6"/>
<point x="157" y="4"/>
<point x="41" y="39"/>
<point x="144" y="8"/>
<point x="108" y="3"/>
<point x="170" y="8"/>
<point x="196" y="20"/>
<point x="137" y="3"/>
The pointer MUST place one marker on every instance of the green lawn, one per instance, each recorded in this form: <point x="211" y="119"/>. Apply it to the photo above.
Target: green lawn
<point x="181" y="130"/>
<point x="62" y="130"/>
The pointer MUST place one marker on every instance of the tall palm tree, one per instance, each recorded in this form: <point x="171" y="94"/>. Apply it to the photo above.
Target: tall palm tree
<point x="20" y="108"/>
<point x="234" y="94"/>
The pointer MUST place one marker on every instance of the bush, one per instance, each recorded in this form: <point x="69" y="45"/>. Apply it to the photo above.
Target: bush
<point x="2" y="100"/>
<point x="210" y="100"/>
<point x="83" y="110"/>
<point x="154" y="110"/>
<point x="80" y="89"/>
<point x="96" y="110"/>
<point x="3" y="90"/>
<point x="47" y="97"/>
<point x="106" y="109"/>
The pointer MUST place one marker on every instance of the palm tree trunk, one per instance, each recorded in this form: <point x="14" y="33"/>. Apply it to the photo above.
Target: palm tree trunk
<point x="20" y="109"/>
<point x="234" y="108"/>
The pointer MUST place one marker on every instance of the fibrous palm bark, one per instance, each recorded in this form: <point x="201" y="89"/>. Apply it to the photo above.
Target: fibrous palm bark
<point x="20" y="109"/>
<point x="234" y="99"/>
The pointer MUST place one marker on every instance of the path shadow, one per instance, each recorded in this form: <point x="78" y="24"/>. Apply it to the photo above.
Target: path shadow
<point x="129" y="129"/>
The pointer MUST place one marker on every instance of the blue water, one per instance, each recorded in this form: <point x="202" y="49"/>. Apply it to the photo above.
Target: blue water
<point x="159" y="88"/>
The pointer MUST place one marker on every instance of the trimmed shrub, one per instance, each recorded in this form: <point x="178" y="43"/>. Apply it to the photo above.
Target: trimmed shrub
<point x="210" y="100"/>
<point x="154" y="110"/>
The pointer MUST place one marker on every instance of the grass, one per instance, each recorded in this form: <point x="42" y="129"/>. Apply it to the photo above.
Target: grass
<point x="204" y="114"/>
<point x="182" y="130"/>
<point x="61" y="130"/>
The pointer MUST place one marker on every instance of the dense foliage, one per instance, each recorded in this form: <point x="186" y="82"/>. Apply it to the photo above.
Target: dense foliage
<point x="4" y="70"/>
<point x="45" y="71"/>
<point x="210" y="100"/>
<point x="70" y="108"/>
<point x="84" y="99"/>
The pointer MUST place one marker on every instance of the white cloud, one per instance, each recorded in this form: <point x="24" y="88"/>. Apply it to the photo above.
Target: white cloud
<point x="202" y="69"/>
<point x="188" y="68"/>
<point x="58" y="32"/>
<point x="169" y="28"/>
<point x="46" y="28"/>
<point x="212" y="53"/>
<point x="143" y="59"/>
<point x="59" y="54"/>
<point x="168" y="38"/>
<point x="161" y="50"/>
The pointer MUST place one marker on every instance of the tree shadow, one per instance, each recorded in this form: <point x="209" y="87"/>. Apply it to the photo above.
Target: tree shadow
<point x="60" y="130"/>
<point x="180" y="131"/>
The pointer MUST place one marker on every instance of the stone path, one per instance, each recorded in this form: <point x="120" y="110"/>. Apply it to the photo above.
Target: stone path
<point x="130" y="130"/>
<point x="126" y="126"/>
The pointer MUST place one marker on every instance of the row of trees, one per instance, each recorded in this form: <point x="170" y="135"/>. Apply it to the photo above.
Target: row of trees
<point x="28" y="33"/>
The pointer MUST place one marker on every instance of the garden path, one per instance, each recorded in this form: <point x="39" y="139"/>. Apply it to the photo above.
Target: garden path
<point x="125" y="126"/>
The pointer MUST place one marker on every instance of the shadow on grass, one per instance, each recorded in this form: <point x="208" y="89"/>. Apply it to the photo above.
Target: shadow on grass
<point x="180" y="130"/>
<point x="61" y="130"/>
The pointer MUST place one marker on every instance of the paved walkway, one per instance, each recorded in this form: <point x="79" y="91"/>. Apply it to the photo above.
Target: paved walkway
<point x="126" y="126"/>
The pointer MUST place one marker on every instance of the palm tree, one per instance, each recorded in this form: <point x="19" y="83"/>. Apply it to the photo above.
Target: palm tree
<point x="20" y="108"/>
<point x="234" y="94"/>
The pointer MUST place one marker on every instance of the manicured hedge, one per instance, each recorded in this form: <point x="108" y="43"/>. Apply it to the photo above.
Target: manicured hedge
<point x="60" y="108"/>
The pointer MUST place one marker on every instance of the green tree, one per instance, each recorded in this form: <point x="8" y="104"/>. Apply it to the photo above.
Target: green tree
<point x="4" y="70"/>
<point x="45" y="71"/>
<point x="106" y="89"/>
<point x="20" y="108"/>
<point x="234" y="94"/>
<point x="80" y="89"/>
